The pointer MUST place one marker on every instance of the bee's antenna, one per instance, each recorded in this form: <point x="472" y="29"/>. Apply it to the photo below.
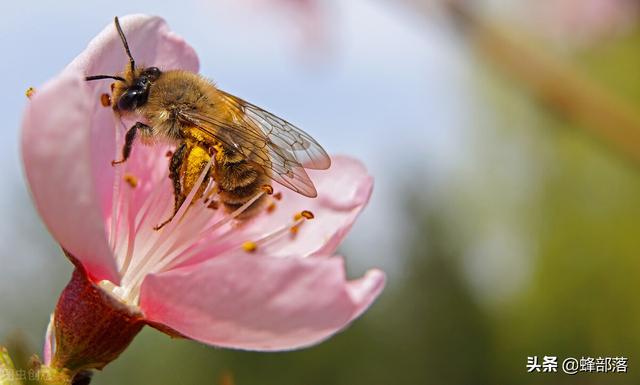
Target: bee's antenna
<point x="98" y="77"/>
<point x="132" y="63"/>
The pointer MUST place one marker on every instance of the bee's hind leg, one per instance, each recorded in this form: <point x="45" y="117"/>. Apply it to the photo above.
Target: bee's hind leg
<point x="175" y="166"/>
<point x="128" y="141"/>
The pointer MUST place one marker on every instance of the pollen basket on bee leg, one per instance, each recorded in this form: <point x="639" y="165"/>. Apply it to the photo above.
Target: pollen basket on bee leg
<point x="195" y="161"/>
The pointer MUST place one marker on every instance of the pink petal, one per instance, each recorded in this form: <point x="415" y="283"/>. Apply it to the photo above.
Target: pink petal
<point x="57" y="158"/>
<point x="256" y="302"/>
<point x="343" y="191"/>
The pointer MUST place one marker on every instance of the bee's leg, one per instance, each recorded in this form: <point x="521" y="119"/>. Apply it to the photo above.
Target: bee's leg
<point x="174" y="173"/>
<point x="175" y="166"/>
<point x="128" y="141"/>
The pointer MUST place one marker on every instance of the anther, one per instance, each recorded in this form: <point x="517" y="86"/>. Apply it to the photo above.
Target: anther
<point x="249" y="246"/>
<point x="113" y="86"/>
<point x="29" y="92"/>
<point x="131" y="180"/>
<point x="169" y="154"/>
<point x="268" y="189"/>
<point x="105" y="100"/>
<point x="306" y="214"/>
<point x="278" y="195"/>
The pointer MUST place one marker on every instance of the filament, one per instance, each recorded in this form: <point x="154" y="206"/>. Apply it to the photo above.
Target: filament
<point x="175" y="258"/>
<point x="155" y="254"/>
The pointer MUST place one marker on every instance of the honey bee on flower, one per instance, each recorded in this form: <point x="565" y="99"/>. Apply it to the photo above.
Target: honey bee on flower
<point x="250" y="146"/>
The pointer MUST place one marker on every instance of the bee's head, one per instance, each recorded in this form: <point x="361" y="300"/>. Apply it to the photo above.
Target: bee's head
<point x="130" y="95"/>
<point x="132" y="90"/>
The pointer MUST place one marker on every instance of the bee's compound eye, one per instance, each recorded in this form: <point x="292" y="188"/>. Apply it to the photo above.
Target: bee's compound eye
<point x="131" y="99"/>
<point x="153" y="72"/>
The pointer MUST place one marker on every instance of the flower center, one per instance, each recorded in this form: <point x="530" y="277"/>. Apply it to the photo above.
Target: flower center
<point x="139" y="206"/>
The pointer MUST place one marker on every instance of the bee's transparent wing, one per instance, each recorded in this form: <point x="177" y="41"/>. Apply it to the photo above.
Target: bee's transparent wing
<point x="280" y="133"/>
<point x="282" y="150"/>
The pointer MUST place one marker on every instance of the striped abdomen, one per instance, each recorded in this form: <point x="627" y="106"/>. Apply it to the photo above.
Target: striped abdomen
<point x="239" y="180"/>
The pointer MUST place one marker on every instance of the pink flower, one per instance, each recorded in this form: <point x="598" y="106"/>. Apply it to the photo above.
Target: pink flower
<point x="193" y="278"/>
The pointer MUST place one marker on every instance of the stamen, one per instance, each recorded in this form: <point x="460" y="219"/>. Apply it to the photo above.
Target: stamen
<point x="169" y="154"/>
<point x="105" y="100"/>
<point x="177" y="256"/>
<point x="29" y="92"/>
<point x="124" y="227"/>
<point x="115" y="194"/>
<point x="249" y="246"/>
<point x="156" y="254"/>
<point x="131" y="180"/>
<point x="303" y="214"/>
<point x="142" y="223"/>
<point x="268" y="189"/>
<point x="234" y="214"/>
<point x="211" y="190"/>
<point x="280" y="232"/>
<point x="299" y="219"/>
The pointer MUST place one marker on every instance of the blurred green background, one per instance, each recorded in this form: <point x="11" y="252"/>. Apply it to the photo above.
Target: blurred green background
<point x="504" y="139"/>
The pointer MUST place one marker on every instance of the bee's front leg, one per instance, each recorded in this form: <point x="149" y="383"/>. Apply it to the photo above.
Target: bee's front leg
<point x="128" y="141"/>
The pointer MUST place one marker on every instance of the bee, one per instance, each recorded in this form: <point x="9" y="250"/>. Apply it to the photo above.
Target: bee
<point x="250" y="147"/>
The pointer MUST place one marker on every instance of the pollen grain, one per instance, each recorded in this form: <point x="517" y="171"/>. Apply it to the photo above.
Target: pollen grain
<point x="105" y="100"/>
<point x="249" y="246"/>
<point x="131" y="180"/>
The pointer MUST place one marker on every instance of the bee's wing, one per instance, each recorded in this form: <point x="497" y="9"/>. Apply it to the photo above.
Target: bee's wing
<point x="273" y="147"/>
<point x="280" y="133"/>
